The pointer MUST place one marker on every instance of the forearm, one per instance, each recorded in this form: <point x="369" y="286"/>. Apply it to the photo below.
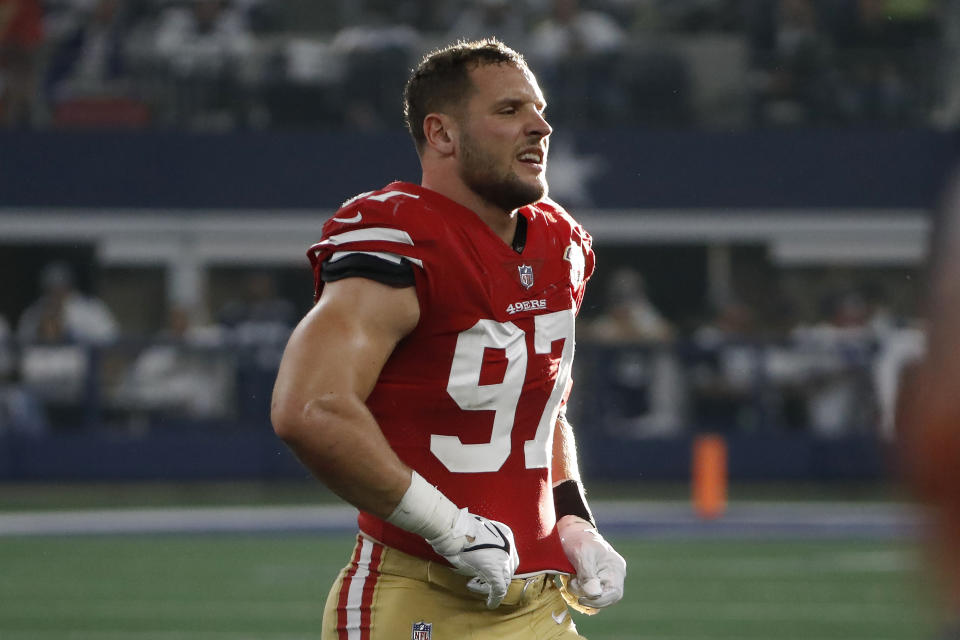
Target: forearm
<point x="569" y="497"/>
<point x="565" y="465"/>
<point x="329" y="368"/>
<point x="339" y="441"/>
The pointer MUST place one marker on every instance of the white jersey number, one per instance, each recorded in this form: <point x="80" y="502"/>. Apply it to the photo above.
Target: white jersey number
<point x="502" y="398"/>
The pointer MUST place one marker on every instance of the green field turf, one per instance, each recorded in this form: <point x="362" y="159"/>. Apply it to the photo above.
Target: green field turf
<point x="239" y="587"/>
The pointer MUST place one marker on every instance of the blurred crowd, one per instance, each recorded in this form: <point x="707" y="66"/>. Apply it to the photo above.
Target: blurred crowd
<point x="68" y="363"/>
<point x="832" y="375"/>
<point x="226" y="64"/>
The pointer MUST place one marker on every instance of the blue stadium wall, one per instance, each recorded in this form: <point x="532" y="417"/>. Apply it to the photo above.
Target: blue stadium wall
<point x="258" y="454"/>
<point x="640" y="169"/>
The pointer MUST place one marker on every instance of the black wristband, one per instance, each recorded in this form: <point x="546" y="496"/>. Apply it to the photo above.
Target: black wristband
<point x="568" y="500"/>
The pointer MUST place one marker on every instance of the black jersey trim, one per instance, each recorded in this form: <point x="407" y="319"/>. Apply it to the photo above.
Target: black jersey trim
<point x="520" y="235"/>
<point x="362" y="265"/>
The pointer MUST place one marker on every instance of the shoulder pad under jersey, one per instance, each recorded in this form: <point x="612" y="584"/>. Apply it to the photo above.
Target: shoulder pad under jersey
<point x="382" y="223"/>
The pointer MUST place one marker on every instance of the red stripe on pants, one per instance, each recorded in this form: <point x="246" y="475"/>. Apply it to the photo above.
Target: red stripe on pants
<point x="344" y="592"/>
<point x="368" y="587"/>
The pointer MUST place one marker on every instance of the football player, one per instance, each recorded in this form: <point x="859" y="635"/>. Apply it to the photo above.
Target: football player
<point x="427" y="385"/>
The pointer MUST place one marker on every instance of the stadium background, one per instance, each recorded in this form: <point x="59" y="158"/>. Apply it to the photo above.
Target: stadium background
<point x="760" y="177"/>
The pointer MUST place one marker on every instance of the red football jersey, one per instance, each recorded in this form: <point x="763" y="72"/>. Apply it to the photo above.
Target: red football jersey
<point x="470" y="398"/>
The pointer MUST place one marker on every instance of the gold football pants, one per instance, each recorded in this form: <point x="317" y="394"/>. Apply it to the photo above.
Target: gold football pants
<point x="384" y="594"/>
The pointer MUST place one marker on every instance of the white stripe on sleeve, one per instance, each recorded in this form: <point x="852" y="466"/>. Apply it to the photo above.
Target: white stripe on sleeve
<point x="389" y="257"/>
<point x="371" y="234"/>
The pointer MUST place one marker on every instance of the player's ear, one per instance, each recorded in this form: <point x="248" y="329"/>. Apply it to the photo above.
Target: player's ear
<point x="439" y="129"/>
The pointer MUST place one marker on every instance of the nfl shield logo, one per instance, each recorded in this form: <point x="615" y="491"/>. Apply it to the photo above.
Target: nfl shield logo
<point x="421" y="631"/>
<point x="526" y="275"/>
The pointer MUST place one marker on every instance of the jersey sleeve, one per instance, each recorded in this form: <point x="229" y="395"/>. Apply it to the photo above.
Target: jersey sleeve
<point x="388" y="270"/>
<point x="578" y="254"/>
<point x="367" y="237"/>
<point x="580" y="260"/>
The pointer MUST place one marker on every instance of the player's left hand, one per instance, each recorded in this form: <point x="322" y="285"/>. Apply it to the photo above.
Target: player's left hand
<point x="600" y="570"/>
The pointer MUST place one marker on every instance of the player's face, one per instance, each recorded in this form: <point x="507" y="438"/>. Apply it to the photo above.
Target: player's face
<point x="504" y="137"/>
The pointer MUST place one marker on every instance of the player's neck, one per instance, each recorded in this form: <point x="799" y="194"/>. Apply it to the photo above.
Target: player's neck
<point x="503" y="223"/>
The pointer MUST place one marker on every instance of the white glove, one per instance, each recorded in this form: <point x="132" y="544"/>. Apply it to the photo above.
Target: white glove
<point x="600" y="571"/>
<point x="476" y="546"/>
<point x="482" y="548"/>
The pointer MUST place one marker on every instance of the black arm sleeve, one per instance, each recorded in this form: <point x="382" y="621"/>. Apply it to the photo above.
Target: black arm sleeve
<point x="361" y="265"/>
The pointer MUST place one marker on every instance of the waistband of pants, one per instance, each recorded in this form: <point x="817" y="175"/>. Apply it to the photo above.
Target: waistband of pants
<point x="521" y="590"/>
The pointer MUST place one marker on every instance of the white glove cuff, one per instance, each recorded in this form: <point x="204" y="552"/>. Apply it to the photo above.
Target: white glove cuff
<point x="423" y="510"/>
<point x="568" y="525"/>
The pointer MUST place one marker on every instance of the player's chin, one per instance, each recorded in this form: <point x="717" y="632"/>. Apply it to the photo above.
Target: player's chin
<point x="531" y="177"/>
<point x="539" y="189"/>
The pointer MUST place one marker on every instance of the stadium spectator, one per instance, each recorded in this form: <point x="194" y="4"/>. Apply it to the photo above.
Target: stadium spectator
<point x="833" y="356"/>
<point x="376" y="55"/>
<point x="489" y="18"/>
<point x="21" y="37"/>
<point x="794" y="74"/>
<point x="64" y="313"/>
<point x="20" y="410"/>
<point x="570" y="30"/>
<point x="208" y="50"/>
<point x="629" y="315"/>
<point x="56" y="368"/>
<point x="899" y="350"/>
<point x="90" y="60"/>
<point x="56" y="334"/>
<point x="886" y="71"/>
<point x="207" y="39"/>
<point x="642" y="377"/>
<point x="257" y="325"/>
<point x="259" y="318"/>
<point x="185" y="374"/>
<point x="723" y="375"/>
<point x="576" y="51"/>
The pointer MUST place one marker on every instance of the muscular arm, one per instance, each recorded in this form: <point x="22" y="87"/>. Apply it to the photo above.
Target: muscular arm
<point x="329" y="367"/>
<point x="565" y="465"/>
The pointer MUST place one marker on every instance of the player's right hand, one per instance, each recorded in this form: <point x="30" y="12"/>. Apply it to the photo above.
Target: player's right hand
<point x="483" y="549"/>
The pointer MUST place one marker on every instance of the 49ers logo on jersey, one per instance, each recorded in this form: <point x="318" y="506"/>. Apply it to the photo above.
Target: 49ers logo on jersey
<point x="527" y="305"/>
